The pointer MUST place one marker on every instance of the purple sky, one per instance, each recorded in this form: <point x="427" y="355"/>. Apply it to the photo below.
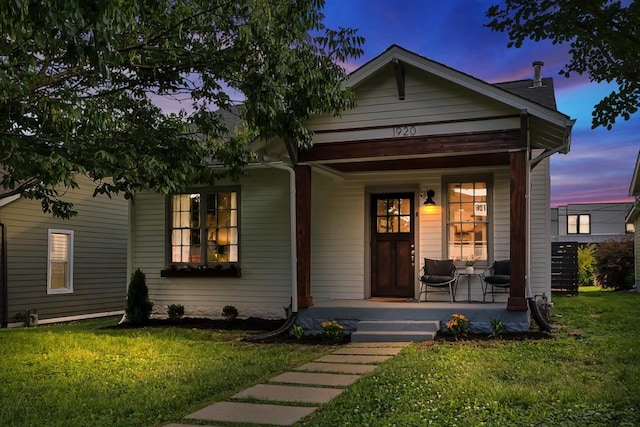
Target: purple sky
<point x="600" y="164"/>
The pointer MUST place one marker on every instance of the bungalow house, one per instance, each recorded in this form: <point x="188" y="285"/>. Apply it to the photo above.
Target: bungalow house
<point x="343" y="226"/>
<point x="62" y="269"/>
<point x="633" y="218"/>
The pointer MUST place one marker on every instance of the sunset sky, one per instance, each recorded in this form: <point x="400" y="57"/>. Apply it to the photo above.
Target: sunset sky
<point x="600" y="164"/>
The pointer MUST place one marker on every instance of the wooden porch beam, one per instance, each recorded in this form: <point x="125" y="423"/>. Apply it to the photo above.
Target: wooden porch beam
<point x="518" y="231"/>
<point x="493" y="141"/>
<point x="303" y="234"/>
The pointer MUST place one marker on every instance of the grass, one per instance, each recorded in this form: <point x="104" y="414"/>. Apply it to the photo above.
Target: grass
<point x="588" y="375"/>
<point x="83" y="374"/>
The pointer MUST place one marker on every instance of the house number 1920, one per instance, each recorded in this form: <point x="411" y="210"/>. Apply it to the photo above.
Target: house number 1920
<point x="407" y="130"/>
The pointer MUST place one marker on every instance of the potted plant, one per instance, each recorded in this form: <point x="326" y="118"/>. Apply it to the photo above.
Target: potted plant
<point x="469" y="266"/>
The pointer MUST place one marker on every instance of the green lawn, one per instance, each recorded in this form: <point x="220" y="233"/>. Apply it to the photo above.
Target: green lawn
<point x="588" y="375"/>
<point x="84" y="375"/>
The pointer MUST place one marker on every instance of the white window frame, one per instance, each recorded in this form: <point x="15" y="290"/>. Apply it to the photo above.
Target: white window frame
<point x="68" y="289"/>
<point x="487" y="208"/>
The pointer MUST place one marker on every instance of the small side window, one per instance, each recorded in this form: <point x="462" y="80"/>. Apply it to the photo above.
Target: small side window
<point x="60" y="262"/>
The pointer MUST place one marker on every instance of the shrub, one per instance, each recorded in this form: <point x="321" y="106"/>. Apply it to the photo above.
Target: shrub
<point x="229" y="312"/>
<point x="138" y="307"/>
<point x="615" y="264"/>
<point x="458" y="325"/>
<point x="175" y="311"/>
<point x="332" y="330"/>
<point x="298" y="331"/>
<point x="586" y="265"/>
<point x="497" y="328"/>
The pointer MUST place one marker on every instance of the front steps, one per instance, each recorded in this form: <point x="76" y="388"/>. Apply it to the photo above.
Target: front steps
<point x="395" y="330"/>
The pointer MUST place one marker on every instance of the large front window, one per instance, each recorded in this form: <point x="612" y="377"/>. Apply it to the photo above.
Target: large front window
<point x="204" y="228"/>
<point x="467" y="220"/>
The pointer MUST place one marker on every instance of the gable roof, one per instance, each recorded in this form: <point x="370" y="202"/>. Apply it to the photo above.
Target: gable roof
<point x="550" y="129"/>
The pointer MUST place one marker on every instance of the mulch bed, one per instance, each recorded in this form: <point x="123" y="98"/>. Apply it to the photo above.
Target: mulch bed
<point x="252" y="325"/>
<point x="255" y="325"/>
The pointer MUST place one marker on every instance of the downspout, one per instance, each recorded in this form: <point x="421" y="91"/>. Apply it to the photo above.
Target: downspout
<point x="130" y="229"/>
<point x="4" y="277"/>
<point x="292" y="231"/>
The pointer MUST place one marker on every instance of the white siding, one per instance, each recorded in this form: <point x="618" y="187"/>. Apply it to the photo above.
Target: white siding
<point x="540" y="229"/>
<point x="265" y="258"/>
<point x="337" y="239"/>
<point x="431" y="103"/>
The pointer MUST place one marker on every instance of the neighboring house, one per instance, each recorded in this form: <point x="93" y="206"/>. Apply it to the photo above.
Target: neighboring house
<point x="346" y="220"/>
<point x="633" y="218"/>
<point x="589" y="222"/>
<point x="63" y="269"/>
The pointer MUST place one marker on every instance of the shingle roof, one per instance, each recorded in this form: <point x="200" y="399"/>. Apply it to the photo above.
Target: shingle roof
<point x="543" y="95"/>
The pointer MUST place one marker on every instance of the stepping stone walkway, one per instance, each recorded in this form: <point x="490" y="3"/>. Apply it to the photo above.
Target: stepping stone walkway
<point x="310" y="385"/>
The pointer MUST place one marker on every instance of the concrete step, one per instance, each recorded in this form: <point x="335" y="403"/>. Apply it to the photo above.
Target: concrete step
<point x="399" y="325"/>
<point x="378" y="336"/>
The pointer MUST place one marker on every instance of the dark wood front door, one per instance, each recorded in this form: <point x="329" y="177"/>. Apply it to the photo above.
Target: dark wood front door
<point x="392" y="247"/>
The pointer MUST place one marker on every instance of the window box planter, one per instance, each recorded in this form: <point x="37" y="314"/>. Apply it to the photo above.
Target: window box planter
<point x="200" y="272"/>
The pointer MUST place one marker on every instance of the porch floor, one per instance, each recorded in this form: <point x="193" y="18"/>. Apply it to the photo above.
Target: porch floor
<point x="349" y="312"/>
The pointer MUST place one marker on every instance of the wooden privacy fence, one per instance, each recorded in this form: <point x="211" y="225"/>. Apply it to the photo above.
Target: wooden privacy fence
<point x="564" y="268"/>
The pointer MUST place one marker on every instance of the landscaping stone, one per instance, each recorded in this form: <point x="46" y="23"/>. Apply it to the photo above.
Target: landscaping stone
<point x="238" y="412"/>
<point x="347" y="358"/>
<point x="336" y="380"/>
<point x="379" y="351"/>
<point x="283" y="393"/>
<point x="346" y="368"/>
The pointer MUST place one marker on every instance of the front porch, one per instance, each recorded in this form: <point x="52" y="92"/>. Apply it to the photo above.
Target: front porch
<point x="406" y="321"/>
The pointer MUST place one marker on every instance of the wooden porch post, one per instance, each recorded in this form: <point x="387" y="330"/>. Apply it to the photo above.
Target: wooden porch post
<point x="303" y="234"/>
<point x="518" y="231"/>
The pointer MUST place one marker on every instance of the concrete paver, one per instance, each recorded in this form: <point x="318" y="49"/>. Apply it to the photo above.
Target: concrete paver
<point x="240" y="412"/>
<point x="346" y="368"/>
<point x="380" y="351"/>
<point x="381" y="344"/>
<point x="284" y="393"/>
<point x="347" y="358"/>
<point x="338" y="380"/>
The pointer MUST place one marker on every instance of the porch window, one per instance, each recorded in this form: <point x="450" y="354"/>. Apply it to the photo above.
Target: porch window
<point x="579" y="224"/>
<point x="467" y="220"/>
<point x="60" y="262"/>
<point x="204" y="228"/>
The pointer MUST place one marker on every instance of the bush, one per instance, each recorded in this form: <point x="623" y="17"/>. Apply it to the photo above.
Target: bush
<point x="332" y="330"/>
<point x="586" y="265"/>
<point x="615" y="264"/>
<point x="175" y="311"/>
<point x="229" y="312"/>
<point x="458" y="325"/>
<point x="138" y="305"/>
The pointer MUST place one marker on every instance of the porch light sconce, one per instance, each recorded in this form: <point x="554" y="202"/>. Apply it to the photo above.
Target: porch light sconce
<point x="429" y="197"/>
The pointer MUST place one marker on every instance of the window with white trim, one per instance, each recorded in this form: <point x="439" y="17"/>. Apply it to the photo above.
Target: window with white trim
<point x="60" y="262"/>
<point x="579" y="224"/>
<point x="467" y="220"/>
<point x="204" y="228"/>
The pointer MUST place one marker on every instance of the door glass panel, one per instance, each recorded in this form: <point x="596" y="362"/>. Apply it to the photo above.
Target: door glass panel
<point x="382" y="225"/>
<point x="405" y="206"/>
<point x="382" y="208"/>
<point x="405" y="224"/>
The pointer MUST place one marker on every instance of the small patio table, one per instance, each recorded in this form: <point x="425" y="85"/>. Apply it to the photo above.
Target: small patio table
<point x="469" y="276"/>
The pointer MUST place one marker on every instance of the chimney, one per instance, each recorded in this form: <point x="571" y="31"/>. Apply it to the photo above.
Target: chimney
<point x="537" y="73"/>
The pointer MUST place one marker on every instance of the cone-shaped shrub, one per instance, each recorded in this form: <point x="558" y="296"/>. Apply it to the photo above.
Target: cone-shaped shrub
<point x="138" y="305"/>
